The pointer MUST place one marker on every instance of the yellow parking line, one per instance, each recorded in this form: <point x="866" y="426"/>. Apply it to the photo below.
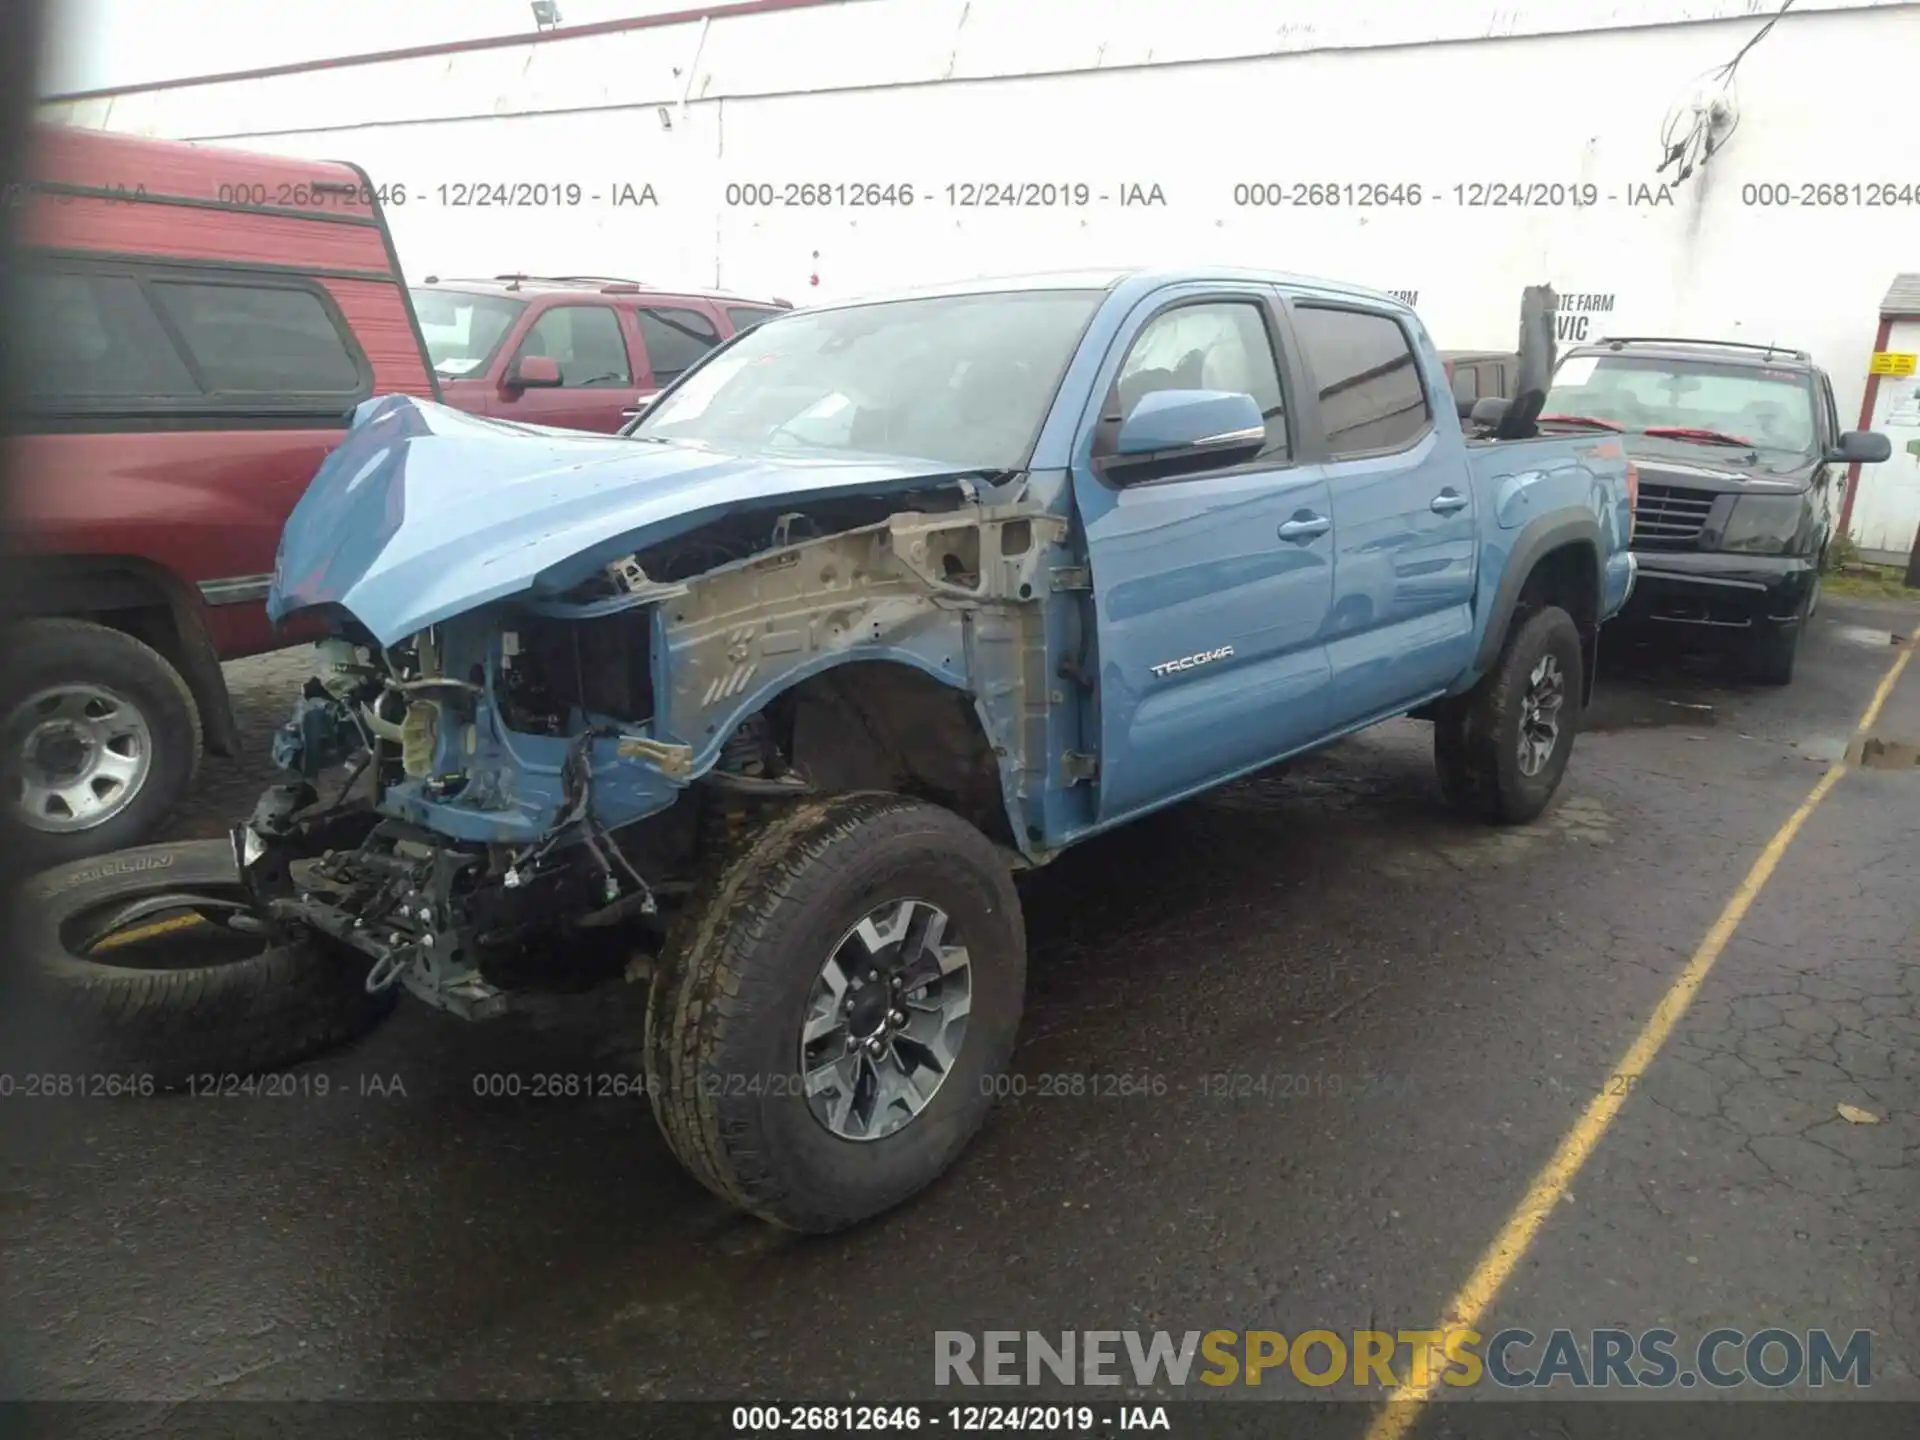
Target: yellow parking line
<point x="1886" y="688"/>
<point x="1470" y="1304"/>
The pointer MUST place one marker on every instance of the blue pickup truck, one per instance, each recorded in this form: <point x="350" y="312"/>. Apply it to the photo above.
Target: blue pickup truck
<point x="877" y="605"/>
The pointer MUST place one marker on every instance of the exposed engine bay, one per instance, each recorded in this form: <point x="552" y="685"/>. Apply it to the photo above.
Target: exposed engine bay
<point x="547" y="774"/>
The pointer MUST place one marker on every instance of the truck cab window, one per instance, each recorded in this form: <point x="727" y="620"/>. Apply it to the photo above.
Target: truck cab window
<point x="1371" y="396"/>
<point x="1216" y="346"/>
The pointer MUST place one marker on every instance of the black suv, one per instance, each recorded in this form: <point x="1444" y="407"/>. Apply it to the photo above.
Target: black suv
<point x="1741" y="464"/>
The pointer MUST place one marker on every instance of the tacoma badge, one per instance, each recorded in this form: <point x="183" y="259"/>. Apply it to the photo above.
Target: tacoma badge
<point x="1205" y="657"/>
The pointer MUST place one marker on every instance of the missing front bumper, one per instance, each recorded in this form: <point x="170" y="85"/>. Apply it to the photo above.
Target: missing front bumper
<point x="464" y="928"/>
<point x="396" y="897"/>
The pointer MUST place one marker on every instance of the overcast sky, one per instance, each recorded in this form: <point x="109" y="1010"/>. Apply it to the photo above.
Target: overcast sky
<point x="101" y="43"/>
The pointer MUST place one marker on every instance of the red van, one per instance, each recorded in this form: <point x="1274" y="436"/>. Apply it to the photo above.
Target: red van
<point x="579" y="351"/>
<point x="200" y="324"/>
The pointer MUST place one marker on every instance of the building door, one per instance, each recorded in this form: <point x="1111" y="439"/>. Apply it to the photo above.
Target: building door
<point x="1886" y="511"/>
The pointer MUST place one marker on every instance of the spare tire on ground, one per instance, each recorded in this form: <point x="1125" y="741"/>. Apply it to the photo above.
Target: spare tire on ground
<point x="154" y="965"/>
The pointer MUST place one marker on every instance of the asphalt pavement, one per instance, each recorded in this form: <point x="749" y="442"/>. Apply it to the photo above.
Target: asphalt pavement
<point x="1356" y="1028"/>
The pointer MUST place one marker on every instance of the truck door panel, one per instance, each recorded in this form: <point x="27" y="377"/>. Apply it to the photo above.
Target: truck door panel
<point x="1403" y="509"/>
<point x="1192" y="574"/>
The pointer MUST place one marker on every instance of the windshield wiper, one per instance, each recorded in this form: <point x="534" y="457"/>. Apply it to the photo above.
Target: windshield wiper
<point x="1591" y="421"/>
<point x="1704" y="437"/>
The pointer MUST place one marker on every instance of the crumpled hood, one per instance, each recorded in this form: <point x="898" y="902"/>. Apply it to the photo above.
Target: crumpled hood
<point x="425" y="511"/>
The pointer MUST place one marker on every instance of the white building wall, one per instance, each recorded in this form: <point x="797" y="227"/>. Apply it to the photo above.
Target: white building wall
<point x="1184" y="101"/>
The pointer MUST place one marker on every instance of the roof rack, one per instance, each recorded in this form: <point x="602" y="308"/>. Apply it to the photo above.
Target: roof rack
<point x="1616" y="341"/>
<point x="515" y="280"/>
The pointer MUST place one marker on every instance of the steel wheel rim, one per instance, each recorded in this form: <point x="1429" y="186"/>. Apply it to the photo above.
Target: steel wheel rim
<point x="885" y="1020"/>
<point x="1540" y="715"/>
<point x="76" y="756"/>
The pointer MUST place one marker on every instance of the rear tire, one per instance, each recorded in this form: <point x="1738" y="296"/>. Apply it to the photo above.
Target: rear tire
<point x="91" y="717"/>
<point x="1477" y="737"/>
<point x="738" y="989"/>
<point x="268" y="1006"/>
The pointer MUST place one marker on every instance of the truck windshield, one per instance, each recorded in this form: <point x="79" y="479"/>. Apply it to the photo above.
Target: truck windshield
<point x="462" y="331"/>
<point x="962" y="380"/>
<point x="1771" y="410"/>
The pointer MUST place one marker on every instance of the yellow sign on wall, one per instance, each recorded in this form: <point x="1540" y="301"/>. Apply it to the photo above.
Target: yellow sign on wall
<point x="1892" y="362"/>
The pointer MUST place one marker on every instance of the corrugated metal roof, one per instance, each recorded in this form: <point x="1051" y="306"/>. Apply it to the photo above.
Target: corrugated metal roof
<point x="1904" y="297"/>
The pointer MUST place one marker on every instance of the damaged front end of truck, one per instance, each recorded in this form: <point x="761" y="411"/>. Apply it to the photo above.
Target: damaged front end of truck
<point x="575" y="667"/>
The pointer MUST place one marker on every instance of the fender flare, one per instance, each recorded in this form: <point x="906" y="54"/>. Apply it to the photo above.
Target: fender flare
<point x="1540" y="537"/>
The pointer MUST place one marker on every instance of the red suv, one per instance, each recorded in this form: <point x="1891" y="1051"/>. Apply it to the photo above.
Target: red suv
<point x="578" y="351"/>
<point x="200" y="325"/>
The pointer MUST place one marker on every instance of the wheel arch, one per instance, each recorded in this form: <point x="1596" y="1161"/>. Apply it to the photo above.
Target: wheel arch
<point x="147" y="601"/>
<point x="893" y="721"/>
<point x="1553" y="560"/>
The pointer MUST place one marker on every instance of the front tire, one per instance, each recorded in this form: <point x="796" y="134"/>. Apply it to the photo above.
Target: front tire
<point x="1773" y="652"/>
<point x="1502" y="748"/>
<point x="789" y="1073"/>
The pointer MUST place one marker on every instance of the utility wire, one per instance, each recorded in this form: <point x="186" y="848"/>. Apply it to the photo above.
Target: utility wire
<point x="1687" y="153"/>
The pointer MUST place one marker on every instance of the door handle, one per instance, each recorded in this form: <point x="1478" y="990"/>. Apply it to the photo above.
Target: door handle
<point x="1448" y="501"/>
<point x="1305" y="526"/>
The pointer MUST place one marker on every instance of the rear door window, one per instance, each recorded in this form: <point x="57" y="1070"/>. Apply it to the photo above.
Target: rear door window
<point x="676" y="338"/>
<point x="249" y="339"/>
<point x="1371" y="395"/>
<point x="95" y="337"/>
<point x="586" y="341"/>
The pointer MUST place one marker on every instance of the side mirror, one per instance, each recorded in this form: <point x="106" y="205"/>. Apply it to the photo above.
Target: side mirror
<point x="1864" y="447"/>
<point x="533" y="372"/>
<point x="1221" y="426"/>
